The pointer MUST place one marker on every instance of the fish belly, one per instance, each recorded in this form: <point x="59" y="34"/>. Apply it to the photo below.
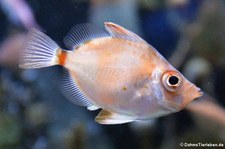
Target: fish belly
<point x="109" y="71"/>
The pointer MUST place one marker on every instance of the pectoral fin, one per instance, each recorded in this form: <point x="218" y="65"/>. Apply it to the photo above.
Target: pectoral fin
<point x="106" y="117"/>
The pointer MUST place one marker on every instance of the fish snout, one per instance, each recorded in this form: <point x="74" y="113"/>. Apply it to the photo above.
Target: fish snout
<point x="191" y="94"/>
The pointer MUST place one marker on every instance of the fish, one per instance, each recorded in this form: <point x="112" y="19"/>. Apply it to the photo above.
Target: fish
<point x="112" y="69"/>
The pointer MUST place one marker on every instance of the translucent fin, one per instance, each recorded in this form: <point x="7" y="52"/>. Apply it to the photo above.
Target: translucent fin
<point x="93" y="108"/>
<point x="106" y="117"/>
<point x="71" y="91"/>
<point x="120" y="32"/>
<point x="39" y="51"/>
<point x="82" y="33"/>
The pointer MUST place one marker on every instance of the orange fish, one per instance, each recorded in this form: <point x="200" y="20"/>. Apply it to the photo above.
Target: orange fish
<point x="114" y="70"/>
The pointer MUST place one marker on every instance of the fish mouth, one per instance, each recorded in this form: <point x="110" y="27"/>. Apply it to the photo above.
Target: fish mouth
<point x="193" y="96"/>
<point x="199" y="93"/>
<point x="179" y="106"/>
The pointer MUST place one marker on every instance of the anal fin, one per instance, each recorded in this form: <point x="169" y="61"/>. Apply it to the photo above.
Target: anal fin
<point x="73" y="92"/>
<point x="106" y="117"/>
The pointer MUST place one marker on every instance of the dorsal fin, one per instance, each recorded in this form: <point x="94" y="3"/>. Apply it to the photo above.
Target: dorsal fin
<point x="82" y="33"/>
<point x="106" y="117"/>
<point x="72" y="91"/>
<point x="120" y="32"/>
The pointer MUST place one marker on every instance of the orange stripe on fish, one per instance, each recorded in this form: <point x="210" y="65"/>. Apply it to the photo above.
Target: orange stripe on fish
<point x="62" y="56"/>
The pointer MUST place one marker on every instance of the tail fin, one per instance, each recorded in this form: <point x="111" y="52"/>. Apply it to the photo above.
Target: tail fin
<point x="40" y="51"/>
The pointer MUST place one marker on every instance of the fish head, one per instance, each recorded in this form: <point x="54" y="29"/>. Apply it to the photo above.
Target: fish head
<point x="176" y="90"/>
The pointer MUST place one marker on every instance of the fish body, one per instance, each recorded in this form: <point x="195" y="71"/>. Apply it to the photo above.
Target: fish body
<point x="114" y="70"/>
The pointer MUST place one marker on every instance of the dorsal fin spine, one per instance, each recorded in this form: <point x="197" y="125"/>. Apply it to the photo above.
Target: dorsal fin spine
<point x="118" y="31"/>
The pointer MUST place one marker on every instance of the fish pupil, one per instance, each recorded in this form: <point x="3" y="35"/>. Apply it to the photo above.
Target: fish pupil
<point x="173" y="80"/>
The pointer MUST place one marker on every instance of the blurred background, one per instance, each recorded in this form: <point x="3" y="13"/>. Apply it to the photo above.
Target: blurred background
<point x="35" y="115"/>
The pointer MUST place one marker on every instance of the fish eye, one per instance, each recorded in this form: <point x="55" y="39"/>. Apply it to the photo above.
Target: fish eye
<point x="171" y="81"/>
